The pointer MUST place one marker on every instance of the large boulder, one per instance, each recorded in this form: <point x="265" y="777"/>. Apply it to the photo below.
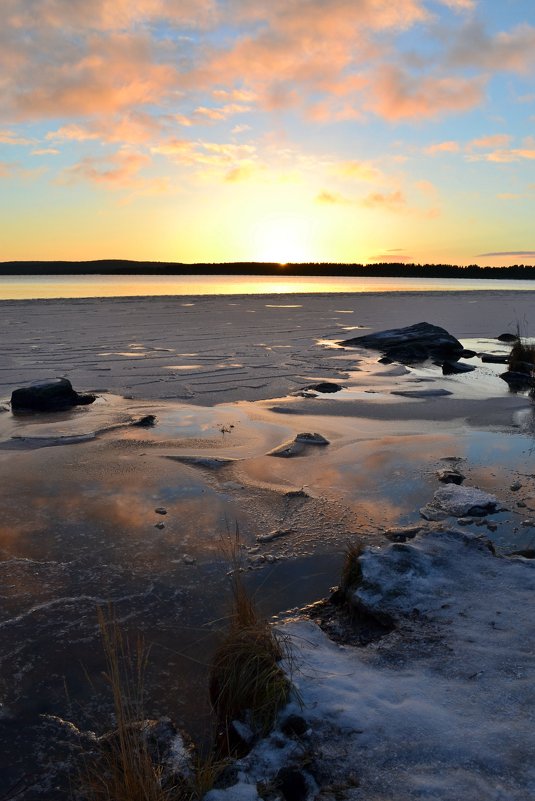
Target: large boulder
<point x="415" y="343"/>
<point x="54" y="395"/>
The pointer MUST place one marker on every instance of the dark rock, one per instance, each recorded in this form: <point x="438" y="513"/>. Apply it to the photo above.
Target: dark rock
<point x="422" y="393"/>
<point x="325" y="386"/>
<point x="292" y="784"/>
<point x="402" y="533"/>
<point x="300" y="493"/>
<point x="527" y="553"/>
<point x="294" y="726"/>
<point x="517" y="381"/>
<point x="228" y="777"/>
<point x="508" y="338"/>
<point x="468" y="354"/>
<point x="493" y="358"/>
<point x="414" y="343"/>
<point x="451" y="368"/>
<point x="448" y="476"/>
<point x="145" y="422"/>
<point x="311" y="439"/>
<point x="48" y="396"/>
<point x="384" y="360"/>
<point x="408" y="354"/>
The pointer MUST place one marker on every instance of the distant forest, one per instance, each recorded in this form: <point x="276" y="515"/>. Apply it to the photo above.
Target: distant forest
<point x="379" y="270"/>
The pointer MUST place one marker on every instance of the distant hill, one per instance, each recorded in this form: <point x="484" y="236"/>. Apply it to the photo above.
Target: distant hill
<point x="380" y="270"/>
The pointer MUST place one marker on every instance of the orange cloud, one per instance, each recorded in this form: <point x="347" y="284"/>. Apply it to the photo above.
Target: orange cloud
<point x="494" y="140"/>
<point x="359" y="170"/>
<point x="392" y="201"/>
<point x="449" y="146"/>
<point x="332" y="198"/>
<point x="12" y="138"/>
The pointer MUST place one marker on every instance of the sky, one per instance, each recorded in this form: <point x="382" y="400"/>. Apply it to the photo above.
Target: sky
<point x="288" y="130"/>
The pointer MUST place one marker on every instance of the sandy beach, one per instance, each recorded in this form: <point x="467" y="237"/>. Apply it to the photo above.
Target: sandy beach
<point x="224" y="377"/>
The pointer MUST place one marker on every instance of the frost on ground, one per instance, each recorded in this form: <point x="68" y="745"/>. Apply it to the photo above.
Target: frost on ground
<point x="442" y="708"/>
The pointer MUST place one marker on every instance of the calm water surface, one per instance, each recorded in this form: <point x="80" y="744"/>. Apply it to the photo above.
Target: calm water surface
<point x="95" y="286"/>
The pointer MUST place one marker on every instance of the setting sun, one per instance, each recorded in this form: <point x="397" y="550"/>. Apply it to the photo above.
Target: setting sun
<point x="283" y="239"/>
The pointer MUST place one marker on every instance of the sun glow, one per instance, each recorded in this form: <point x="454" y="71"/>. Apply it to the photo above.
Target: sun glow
<point x="283" y="239"/>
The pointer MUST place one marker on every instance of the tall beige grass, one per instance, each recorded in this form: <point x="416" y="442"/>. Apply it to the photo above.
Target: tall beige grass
<point x="122" y="768"/>
<point x="246" y="680"/>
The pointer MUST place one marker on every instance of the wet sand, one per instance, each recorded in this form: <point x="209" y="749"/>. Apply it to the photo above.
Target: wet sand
<point x="78" y="520"/>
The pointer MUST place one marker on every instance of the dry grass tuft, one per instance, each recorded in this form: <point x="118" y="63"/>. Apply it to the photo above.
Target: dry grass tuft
<point x="122" y="768"/>
<point x="246" y="681"/>
<point x="522" y="357"/>
<point x="351" y="575"/>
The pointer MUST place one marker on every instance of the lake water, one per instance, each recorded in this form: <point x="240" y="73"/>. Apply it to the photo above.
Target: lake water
<point x="95" y="286"/>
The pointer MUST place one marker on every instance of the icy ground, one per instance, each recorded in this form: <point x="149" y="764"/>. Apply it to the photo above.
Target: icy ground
<point x="442" y="708"/>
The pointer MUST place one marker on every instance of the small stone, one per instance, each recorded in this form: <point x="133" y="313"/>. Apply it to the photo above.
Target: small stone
<point x="402" y="533"/>
<point x="465" y="521"/>
<point x="274" y="535"/>
<point x="188" y="560"/>
<point x="292" y="784"/>
<point x="508" y="337"/>
<point x="527" y="523"/>
<point x="270" y="558"/>
<point x="160" y="510"/>
<point x="515" y="486"/>
<point x="160" y="525"/>
<point x="294" y="726"/>
<point x="311" y="439"/>
<point x="521" y="504"/>
<point x="300" y="493"/>
<point x="145" y="422"/>
<point x="492" y="526"/>
<point x="325" y="387"/>
<point x="450" y="476"/>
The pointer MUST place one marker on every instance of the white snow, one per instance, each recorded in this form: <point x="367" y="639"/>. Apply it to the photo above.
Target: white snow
<point x="442" y="708"/>
<point x="460" y="501"/>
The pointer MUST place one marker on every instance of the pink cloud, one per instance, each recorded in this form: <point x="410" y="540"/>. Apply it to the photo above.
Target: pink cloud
<point x="398" y="95"/>
<point x="116" y="170"/>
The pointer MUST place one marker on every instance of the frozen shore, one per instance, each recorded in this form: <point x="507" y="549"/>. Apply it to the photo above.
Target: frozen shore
<point x="224" y="377"/>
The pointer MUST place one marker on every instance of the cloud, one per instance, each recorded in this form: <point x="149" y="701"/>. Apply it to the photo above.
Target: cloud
<point x="45" y="151"/>
<point x="505" y="155"/>
<point x="391" y="201"/>
<point x="13" y="138"/>
<point x="13" y="169"/>
<point x="359" y="170"/>
<point x="527" y="253"/>
<point x="492" y="141"/>
<point x="331" y="198"/>
<point x="115" y="171"/>
<point x="389" y="256"/>
<point x="399" y="95"/>
<point x="71" y="133"/>
<point x="512" y="51"/>
<point x="449" y="146"/>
